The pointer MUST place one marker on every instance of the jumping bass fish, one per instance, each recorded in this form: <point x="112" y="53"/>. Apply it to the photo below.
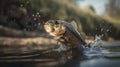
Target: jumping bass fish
<point x="65" y="32"/>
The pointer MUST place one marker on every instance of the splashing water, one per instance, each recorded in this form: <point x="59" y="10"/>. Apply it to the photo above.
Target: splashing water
<point x="61" y="48"/>
<point x="96" y="44"/>
<point x="95" y="49"/>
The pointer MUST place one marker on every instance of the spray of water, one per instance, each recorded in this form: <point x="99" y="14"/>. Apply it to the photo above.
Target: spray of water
<point x="95" y="47"/>
<point x="96" y="44"/>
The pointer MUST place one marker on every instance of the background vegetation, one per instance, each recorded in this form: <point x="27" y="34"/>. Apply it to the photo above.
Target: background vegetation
<point x="28" y="14"/>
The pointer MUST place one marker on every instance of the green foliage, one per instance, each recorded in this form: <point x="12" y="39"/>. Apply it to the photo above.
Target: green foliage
<point x="66" y="10"/>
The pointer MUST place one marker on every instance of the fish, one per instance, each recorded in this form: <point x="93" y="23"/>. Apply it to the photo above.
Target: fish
<point x="65" y="32"/>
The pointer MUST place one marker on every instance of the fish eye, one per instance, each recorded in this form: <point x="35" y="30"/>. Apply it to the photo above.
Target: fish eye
<point x="56" y="22"/>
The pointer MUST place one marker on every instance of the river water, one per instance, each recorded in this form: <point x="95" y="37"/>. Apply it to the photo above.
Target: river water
<point x="100" y="54"/>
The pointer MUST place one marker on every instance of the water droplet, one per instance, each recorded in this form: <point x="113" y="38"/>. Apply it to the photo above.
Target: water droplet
<point x="39" y="16"/>
<point x="102" y="29"/>
<point x="35" y="19"/>
<point x="33" y="15"/>
<point x="38" y="23"/>
<point x="27" y="2"/>
<point x="21" y="5"/>
<point x="38" y="13"/>
<point x="107" y="30"/>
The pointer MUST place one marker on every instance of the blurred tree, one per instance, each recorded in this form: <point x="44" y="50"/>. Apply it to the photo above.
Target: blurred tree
<point x="113" y="8"/>
<point x="39" y="11"/>
<point x="91" y="8"/>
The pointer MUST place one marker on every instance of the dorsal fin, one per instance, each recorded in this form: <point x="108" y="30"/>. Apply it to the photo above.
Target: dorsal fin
<point x="74" y="24"/>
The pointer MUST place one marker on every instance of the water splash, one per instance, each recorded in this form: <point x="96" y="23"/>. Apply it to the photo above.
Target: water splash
<point x="96" y="44"/>
<point x="95" y="49"/>
<point x="61" y="48"/>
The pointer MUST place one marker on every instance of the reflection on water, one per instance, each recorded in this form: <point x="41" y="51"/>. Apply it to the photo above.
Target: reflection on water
<point x="105" y="56"/>
<point x="101" y="62"/>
